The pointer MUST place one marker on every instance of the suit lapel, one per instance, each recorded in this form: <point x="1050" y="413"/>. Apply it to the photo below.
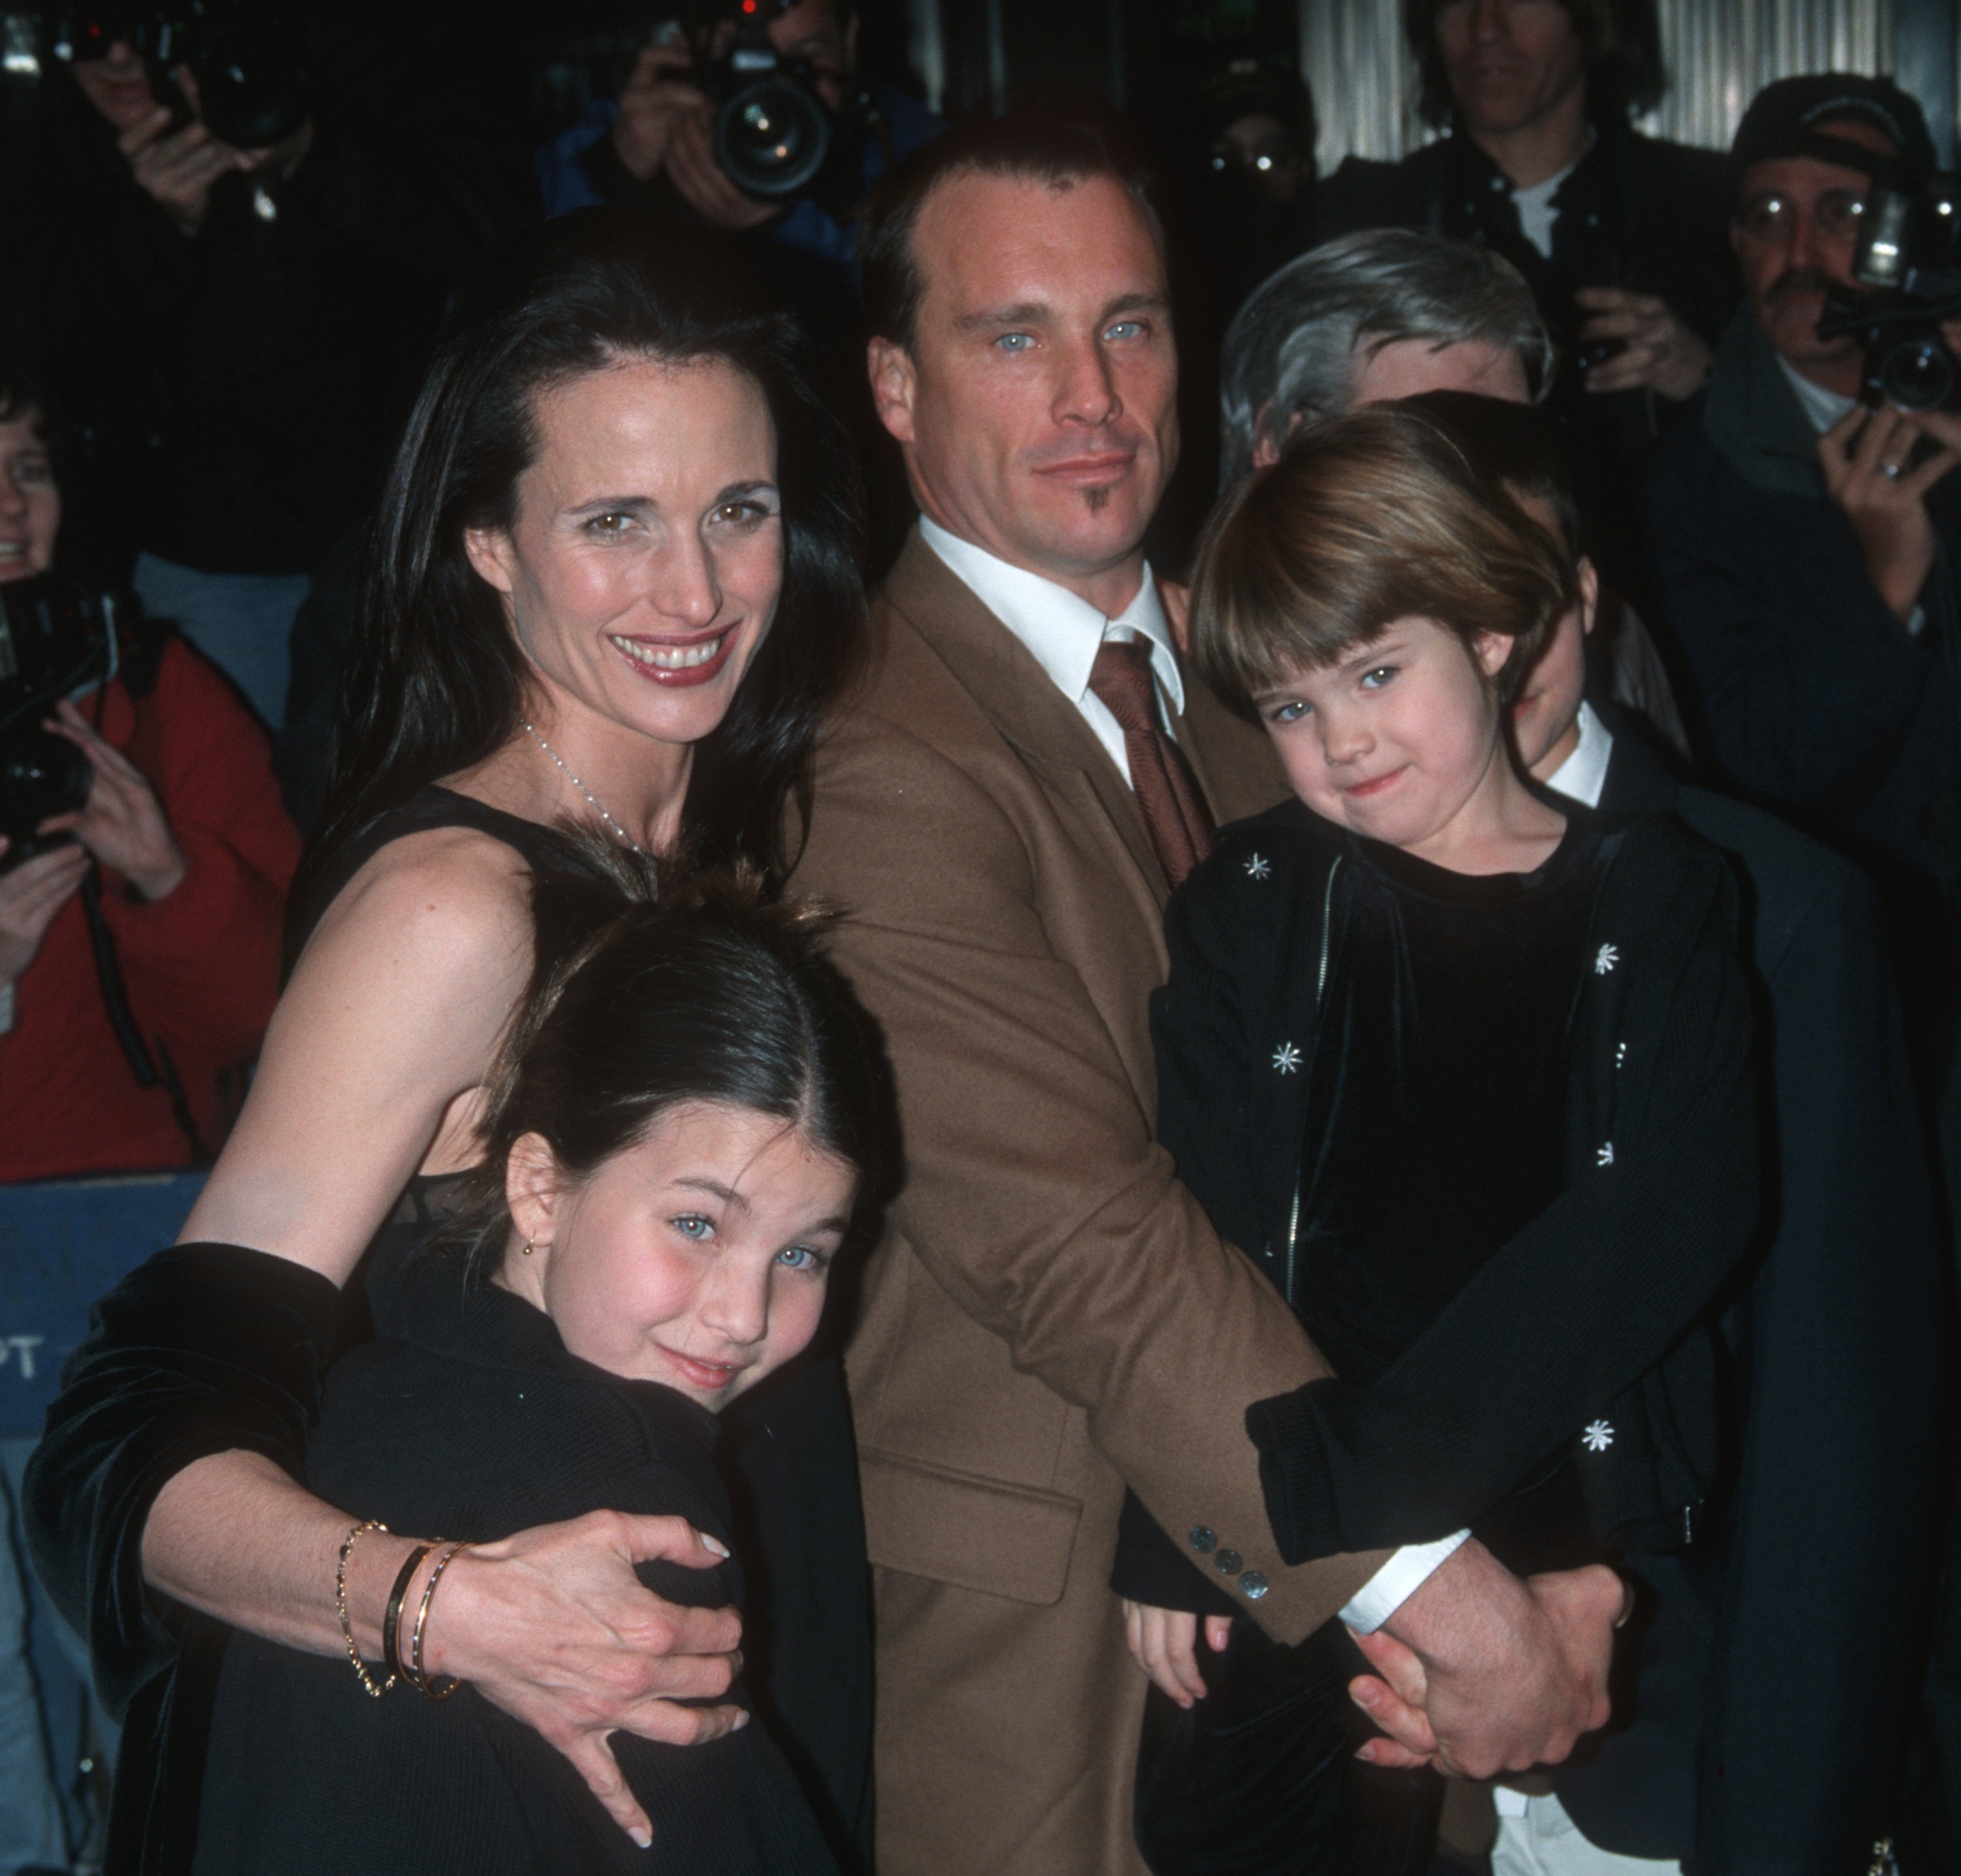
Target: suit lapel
<point x="1021" y="699"/>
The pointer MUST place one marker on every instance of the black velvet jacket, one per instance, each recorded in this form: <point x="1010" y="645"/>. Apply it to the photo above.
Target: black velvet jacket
<point x="467" y="1416"/>
<point x="1592" y="1313"/>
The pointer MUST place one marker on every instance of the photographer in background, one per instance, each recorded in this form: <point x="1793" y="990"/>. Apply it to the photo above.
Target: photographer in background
<point x="1621" y="236"/>
<point x="1804" y="542"/>
<point x="232" y="284"/>
<point x="654" y="148"/>
<point x="183" y="837"/>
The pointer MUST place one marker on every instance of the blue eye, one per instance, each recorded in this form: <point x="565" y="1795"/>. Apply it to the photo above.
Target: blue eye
<point x="801" y="1257"/>
<point x="1380" y="675"/>
<point x="1291" y="711"/>
<point x="1124" y="329"/>
<point x="1014" y="341"/>
<point x="691" y="1225"/>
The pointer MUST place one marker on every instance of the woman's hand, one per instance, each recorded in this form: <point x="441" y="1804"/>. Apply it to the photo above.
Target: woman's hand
<point x="553" y="1626"/>
<point x="1165" y="1642"/>
<point x="30" y="896"/>
<point x="121" y="823"/>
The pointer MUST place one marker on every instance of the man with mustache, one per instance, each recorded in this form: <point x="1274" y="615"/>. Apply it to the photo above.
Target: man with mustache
<point x="1804" y="542"/>
<point x="1024" y="773"/>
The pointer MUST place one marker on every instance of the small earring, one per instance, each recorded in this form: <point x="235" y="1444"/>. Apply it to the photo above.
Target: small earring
<point x="529" y="1247"/>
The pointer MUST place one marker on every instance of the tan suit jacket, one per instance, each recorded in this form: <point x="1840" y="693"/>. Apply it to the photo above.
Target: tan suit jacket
<point x="1050" y="1314"/>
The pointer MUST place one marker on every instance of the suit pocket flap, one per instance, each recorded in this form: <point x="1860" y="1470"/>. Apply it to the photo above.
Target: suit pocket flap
<point x="957" y="1527"/>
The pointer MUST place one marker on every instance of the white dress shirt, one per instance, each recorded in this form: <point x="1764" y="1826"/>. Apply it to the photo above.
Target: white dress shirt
<point x="1584" y="774"/>
<point x="1064" y="632"/>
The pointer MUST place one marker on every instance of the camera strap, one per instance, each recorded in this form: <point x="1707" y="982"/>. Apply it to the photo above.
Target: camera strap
<point x="150" y="1070"/>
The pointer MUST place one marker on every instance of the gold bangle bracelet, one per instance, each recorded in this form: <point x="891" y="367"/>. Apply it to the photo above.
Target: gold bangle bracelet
<point x="418" y="1678"/>
<point x="375" y="1689"/>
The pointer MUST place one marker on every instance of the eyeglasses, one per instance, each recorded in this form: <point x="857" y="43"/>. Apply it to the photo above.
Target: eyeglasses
<point x="1835" y="213"/>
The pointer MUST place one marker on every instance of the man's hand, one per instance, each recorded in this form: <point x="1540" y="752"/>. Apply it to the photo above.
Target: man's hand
<point x="121" y="823"/>
<point x="178" y="168"/>
<point x="1660" y="353"/>
<point x="1483" y="1674"/>
<point x="1165" y="1644"/>
<point x="30" y="897"/>
<point x="701" y="182"/>
<point x="1864" y="457"/>
<point x="652" y="101"/>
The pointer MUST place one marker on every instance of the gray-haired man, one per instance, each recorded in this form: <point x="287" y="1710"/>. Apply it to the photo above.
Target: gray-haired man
<point x="1387" y="313"/>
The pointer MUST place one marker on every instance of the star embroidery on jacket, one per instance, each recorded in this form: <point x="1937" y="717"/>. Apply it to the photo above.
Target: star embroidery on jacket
<point x="1258" y="867"/>
<point x="1604" y="959"/>
<point x="1599" y="1436"/>
<point x="1604" y="1154"/>
<point x="1286" y="1058"/>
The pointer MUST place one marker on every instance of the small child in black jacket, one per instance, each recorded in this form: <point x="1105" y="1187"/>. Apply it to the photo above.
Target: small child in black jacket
<point x="674" y="1145"/>
<point x="1468" y="1073"/>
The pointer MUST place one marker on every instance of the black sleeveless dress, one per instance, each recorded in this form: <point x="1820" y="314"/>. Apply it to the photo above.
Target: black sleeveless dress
<point x="207" y="1348"/>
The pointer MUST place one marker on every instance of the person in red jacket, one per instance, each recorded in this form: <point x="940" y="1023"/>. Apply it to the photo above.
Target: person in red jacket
<point x="184" y="830"/>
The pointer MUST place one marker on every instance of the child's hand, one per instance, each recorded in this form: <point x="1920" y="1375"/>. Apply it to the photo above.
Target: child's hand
<point x="1165" y="1642"/>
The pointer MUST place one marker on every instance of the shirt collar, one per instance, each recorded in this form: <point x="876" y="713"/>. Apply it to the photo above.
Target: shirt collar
<point x="1823" y="407"/>
<point x="1582" y="776"/>
<point x="1062" y="631"/>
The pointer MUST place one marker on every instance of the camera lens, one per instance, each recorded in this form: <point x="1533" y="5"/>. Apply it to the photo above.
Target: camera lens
<point x="41" y="774"/>
<point x="1917" y="375"/>
<point x="771" y="138"/>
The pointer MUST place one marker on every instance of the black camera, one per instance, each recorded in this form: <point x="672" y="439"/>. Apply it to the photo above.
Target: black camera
<point x="55" y="637"/>
<point x="774" y="132"/>
<point x="1909" y="263"/>
<point x="251" y="83"/>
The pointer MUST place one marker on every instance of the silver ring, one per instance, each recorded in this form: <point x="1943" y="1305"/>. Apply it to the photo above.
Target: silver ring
<point x="1891" y="471"/>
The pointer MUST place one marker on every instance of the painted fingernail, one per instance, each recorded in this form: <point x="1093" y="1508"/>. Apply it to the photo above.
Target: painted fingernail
<point x="714" y="1544"/>
<point x="643" y="1836"/>
<point x="741" y="1721"/>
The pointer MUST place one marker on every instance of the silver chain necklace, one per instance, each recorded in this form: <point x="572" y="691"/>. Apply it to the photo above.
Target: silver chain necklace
<point x="598" y="809"/>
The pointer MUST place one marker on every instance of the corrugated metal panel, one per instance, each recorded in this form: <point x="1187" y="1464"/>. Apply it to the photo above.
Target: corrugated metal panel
<point x="1720" y="54"/>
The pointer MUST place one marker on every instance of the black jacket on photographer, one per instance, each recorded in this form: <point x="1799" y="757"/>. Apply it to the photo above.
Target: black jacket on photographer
<point x="1634" y="212"/>
<point x="238" y="388"/>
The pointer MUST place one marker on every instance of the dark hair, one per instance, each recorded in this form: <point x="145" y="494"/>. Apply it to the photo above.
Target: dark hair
<point x="1039" y="146"/>
<point x="22" y="390"/>
<point x="1518" y="446"/>
<point x="1622" y="41"/>
<point x="644" y="997"/>
<point x="434" y="679"/>
<point x="1371" y="516"/>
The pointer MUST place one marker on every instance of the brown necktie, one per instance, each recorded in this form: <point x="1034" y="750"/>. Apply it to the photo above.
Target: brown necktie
<point x="1175" y="817"/>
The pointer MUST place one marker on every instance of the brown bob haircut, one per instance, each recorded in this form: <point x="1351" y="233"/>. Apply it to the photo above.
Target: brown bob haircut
<point x="1371" y="516"/>
<point x="1622" y="40"/>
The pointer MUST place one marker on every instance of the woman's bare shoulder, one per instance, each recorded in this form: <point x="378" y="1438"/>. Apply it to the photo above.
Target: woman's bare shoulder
<point x="446" y="899"/>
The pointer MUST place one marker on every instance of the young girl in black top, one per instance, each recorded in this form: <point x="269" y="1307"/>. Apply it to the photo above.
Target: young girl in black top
<point x="1466" y="1072"/>
<point x="675" y="1139"/>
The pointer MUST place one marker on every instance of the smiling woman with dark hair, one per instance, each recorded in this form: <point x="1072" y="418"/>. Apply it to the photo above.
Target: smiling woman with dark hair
<point x="613" y="582"/>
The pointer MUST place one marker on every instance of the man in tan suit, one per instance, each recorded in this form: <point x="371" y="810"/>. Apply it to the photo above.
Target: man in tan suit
<point x="1050" y="1315"/>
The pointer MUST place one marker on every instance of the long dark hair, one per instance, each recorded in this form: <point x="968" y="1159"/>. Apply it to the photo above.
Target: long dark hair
<point x="433" y="679"/>
<point x="645" y="998"/>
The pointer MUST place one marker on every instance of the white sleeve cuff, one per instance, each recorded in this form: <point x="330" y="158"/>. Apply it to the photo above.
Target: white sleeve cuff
<point x="1396" y="1582"/>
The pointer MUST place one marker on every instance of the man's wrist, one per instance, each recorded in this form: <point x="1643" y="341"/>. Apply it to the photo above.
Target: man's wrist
<point x="1406" y="1572"/>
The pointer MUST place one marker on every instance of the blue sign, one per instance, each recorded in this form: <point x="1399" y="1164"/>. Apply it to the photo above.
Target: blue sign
<point x="64" y="1242"/>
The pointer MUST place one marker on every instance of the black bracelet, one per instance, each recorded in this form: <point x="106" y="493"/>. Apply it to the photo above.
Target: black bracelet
<point x="391" y="1623"/>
